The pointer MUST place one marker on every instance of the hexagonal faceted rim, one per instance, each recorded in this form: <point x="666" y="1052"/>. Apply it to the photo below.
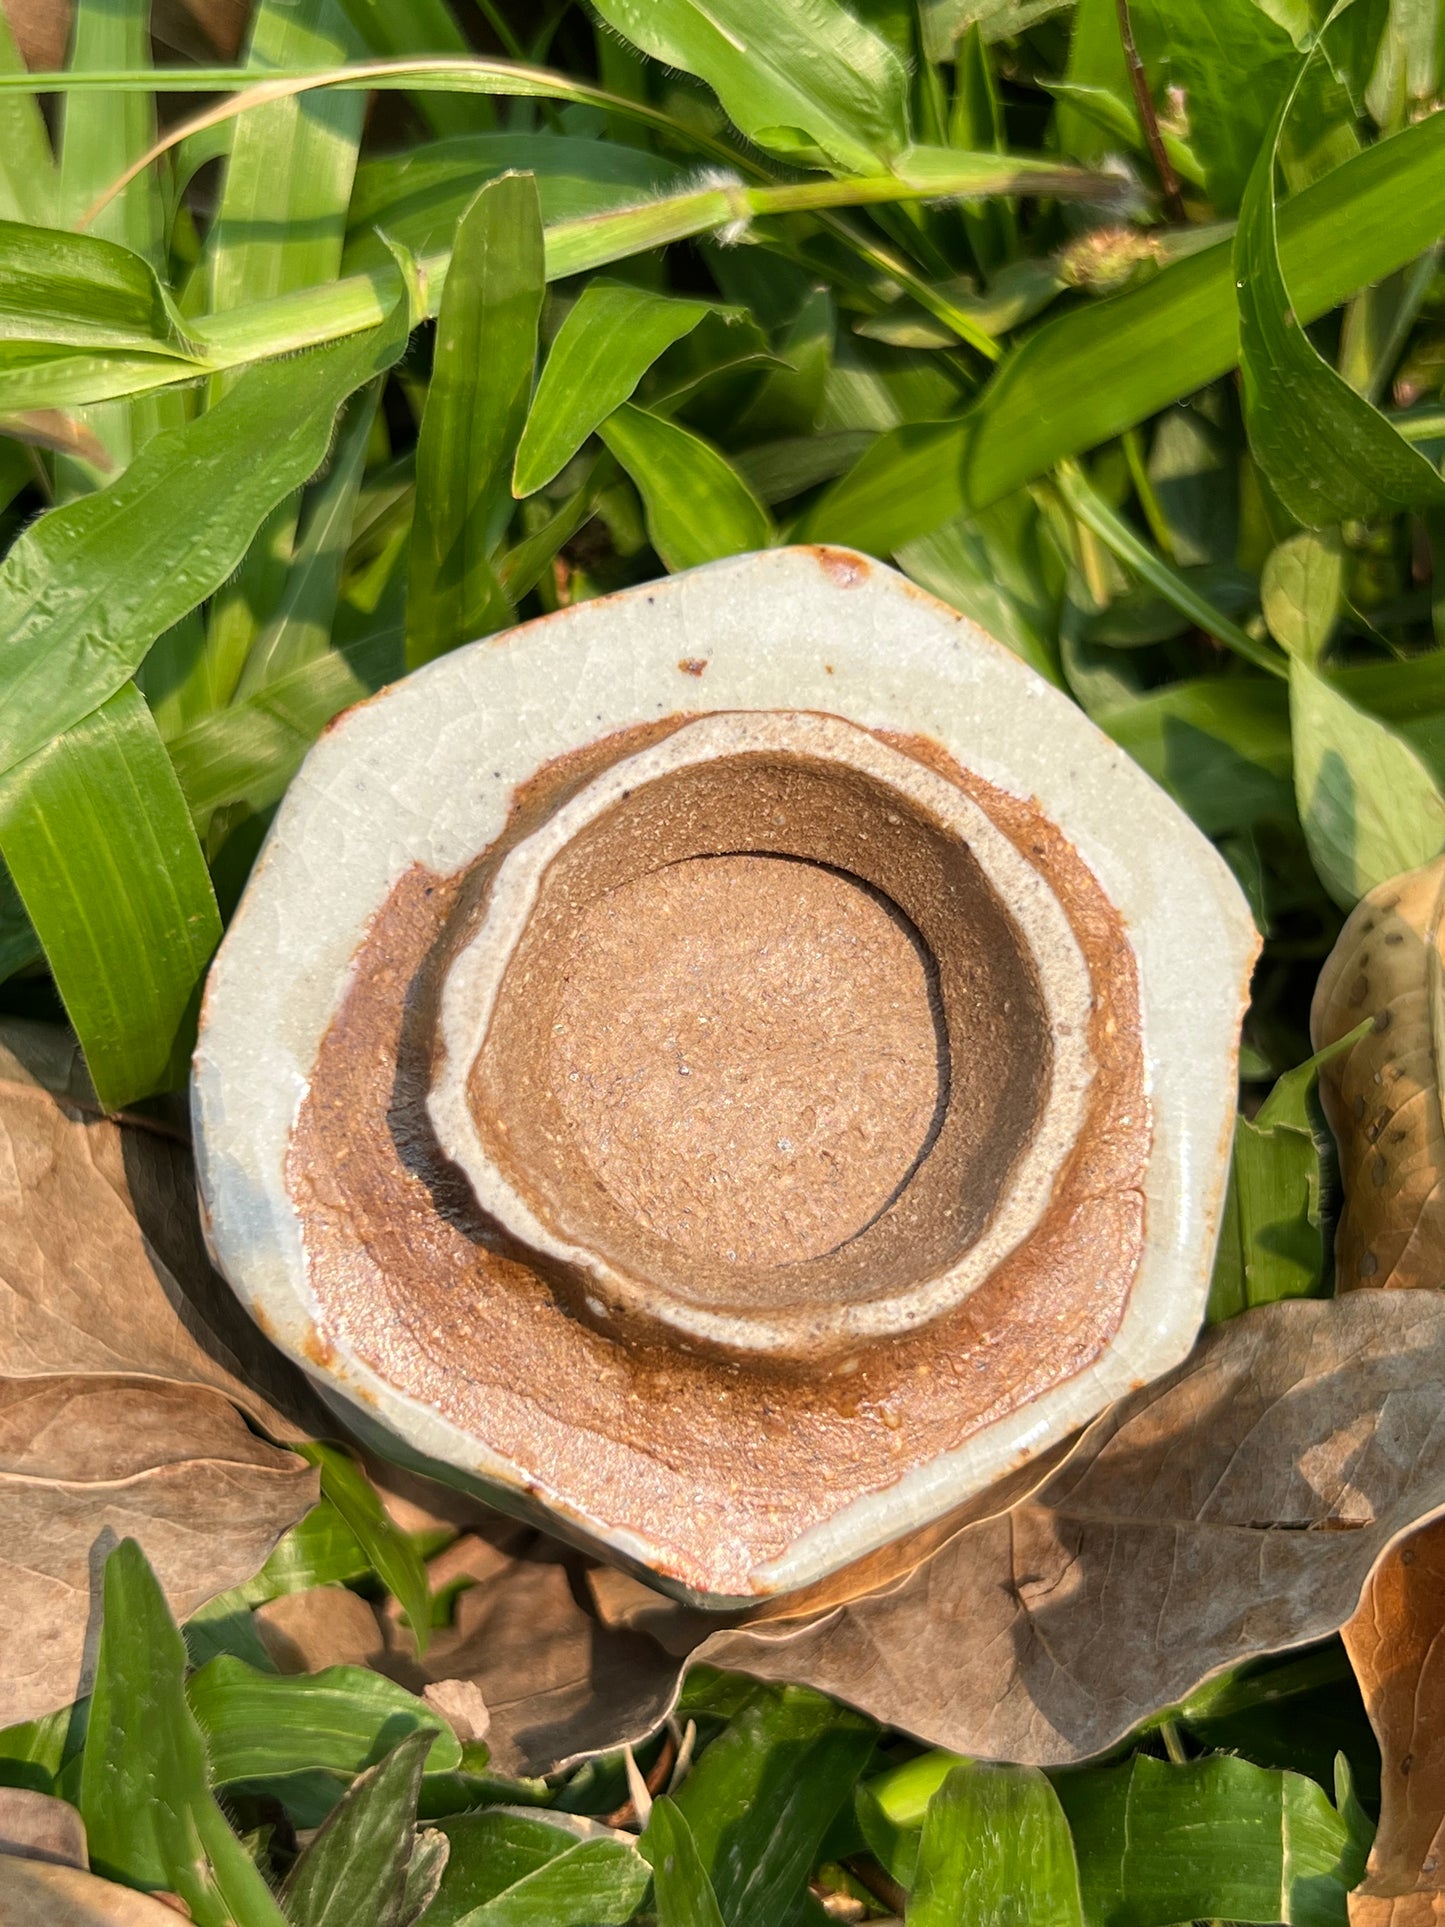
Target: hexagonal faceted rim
<point x="424" y="774"/>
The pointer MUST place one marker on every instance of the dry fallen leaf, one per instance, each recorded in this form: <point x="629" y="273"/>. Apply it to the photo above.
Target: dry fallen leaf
<point x="1236" y="1507"/>
<point x="66" y="434"/>
<point x="305" y="1632"/>
<point x="37" y="1826"/>
<point x="33" y="1894"/>
<point x="1383" y="1095"/>
<point x="1412" y="1910"/>
<point x="102" y="1267"/>
<point x="118" y="1396"/>
<point x="1396" y="1644"/>
<point x="558" y="1684"/>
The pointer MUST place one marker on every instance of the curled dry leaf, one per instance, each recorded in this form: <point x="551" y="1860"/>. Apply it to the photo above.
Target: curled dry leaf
<point x="35" y="1826"/>
<point x="1236" y="1507"/>
<point x="1383" y="1095"/>
<point x="33" y="1892"/>
<point x="119" y="1395"/>
<point x="1396" y="1643"/>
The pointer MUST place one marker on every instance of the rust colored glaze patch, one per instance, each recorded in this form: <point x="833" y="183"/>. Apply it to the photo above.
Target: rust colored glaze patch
<point x="719" y="1466"/>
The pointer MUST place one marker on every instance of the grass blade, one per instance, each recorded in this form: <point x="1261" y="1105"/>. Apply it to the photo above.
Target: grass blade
<point x="682" y="1892"/>
<point x="604" y="347"/>
<point x="475" y="407"/>
<point x="353" y="1874"/>
<point x="73" y="290"/>
<point x="1093" y="373"/>
<point x="282" y="218"/>
<point x="395" y="1559"/>
<point x="697" y="505"/>
<point x="257" y="1725"/>
<point x="100" y="140"/>
<point x="28" y="185"/>
<point x="99" y="841"/>
<point x="87" y="588"/>
<point x="149" y="1815"/>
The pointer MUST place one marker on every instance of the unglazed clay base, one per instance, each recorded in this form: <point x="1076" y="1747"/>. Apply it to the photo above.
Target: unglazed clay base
<point x="729" y="1070"/>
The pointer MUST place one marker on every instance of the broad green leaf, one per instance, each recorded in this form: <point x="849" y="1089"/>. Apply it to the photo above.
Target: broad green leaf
<point x="995" y="1848"/>
<point x="761" y="1798"/>
<point x="354" y="1873"/>
<point x="33" y="1753"/>
<point x="422" y="26"/>
<point x="682" y="1894"/>
<point x="697" y="505"/>
<point x="418" y="197"/>
<point x="282" y="218"/>
<point x="395" y="1559"/>
<point x="74" y="290"/>
<point x="88" y="588"/>
<point x="508" y="1870"/>
<point x="1159" y="1844"/>
<point x="1327" y="452"/>
<point x="249" y="752"/>
<point x="611" y="337"/>
<point x="98" y="839"/>
<point x="1369" y="806"/>
<point x="1220" y="746"/>
<point x="1300" y="592"/>
<point x="99" y="139"/>
<point x="1298" y="1712"/>
<point x="795" y="75"/>
<point x="300" y="630"/>
<point x="258" y="1725"/>
<point x="319" y="1550"/>
<point x="1272" y="1242"/>
<point x="149" y="1815"/>
<point x="475" y="407"/>
<point x="1089" y="375"/>
<point x="890" y="1809"/>
<point x="28" y="189"/>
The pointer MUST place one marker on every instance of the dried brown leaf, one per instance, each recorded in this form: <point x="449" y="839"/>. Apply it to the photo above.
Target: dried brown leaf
<point x="305" y="1632"/>
<point x="1412" y="1910"/>
<point x="86" y="1462"/>
<point x="119" y="1394"/>
<point x="33" y="1894"/>
<point x="1236" y="1507"/>
<point x="38" y="1827"/>
<point x="557" y="1684"/>
<point x="1383" y="1095"/>
<point x="102" y="1266"/>
<point x="1396" y="1644"/>
<point x="53" y="428"/>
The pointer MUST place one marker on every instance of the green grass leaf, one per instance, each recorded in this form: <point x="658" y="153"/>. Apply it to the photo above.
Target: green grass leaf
<point x="611" y="337"/>
<point x="995" y="1847"/>
<point x="393" y="1557"/>
<point x="87" y="589"/>
<point x="476" y="404"/>
<point x="1221" y="747"/>
<point x="28" y="187"/>
<point x="1093" y="373"/>
<point x="1369" y="806"/>
<point x="762" y="1796"/>
<point x="354" y="1873"/>
<point x="800" y="76"/>
<point x="1159" y="1843"/>
<point x="259" y="1725"/>
<point x="149" y="1815"/>
<point x="506" y="1870"/>
<point x="281" y="223"/>
<point x="75" y="290"/>
<point x="1328" y="453"/>
<point x="99" y="142"/>
<point x="697" y="505"/>
<point x="99" y="842"/>
<point x="682" y="1893"/>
